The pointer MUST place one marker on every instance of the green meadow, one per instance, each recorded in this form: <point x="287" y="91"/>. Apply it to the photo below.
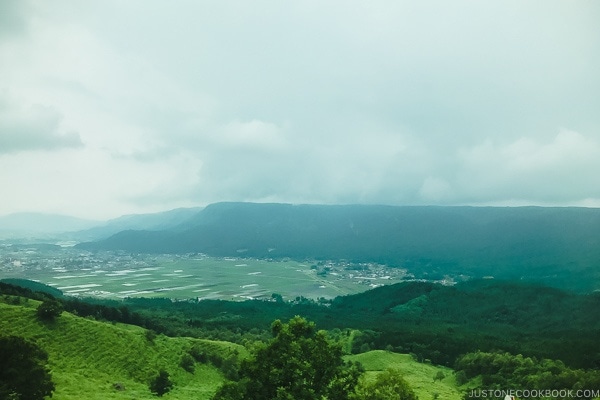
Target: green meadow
<point x="420" y="376"/>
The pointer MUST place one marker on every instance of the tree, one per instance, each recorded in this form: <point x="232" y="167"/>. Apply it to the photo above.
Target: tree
<point x="161" y="384"/>
<point x="389" y="385"/>
<point x="461" y="377"/>
<point x="187" y="363"/>
<point x="23" y="371"/>
<point x="299" y="363"/>
<point x="48" y="310"/>
<point x="277" y="297"/>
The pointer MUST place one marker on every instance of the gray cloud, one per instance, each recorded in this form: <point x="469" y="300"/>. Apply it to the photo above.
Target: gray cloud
<point x="395" y="102"/>
<point x="12" y="18"/>
<point x="37" y="128"/>
<point x="562" y="169"/>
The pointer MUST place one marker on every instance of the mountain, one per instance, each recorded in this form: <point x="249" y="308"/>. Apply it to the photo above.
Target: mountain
<point x="54" y="226"/>
<point x="151" y="222"/>
<point x="40" y="224"/>
<point x="557" y="246"/>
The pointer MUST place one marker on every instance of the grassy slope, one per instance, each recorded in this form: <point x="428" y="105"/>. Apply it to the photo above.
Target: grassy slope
<point x="88" y="357"/>
<point x="418" y="375"/>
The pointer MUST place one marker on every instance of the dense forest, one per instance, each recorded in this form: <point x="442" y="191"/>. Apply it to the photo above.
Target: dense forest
<point x="433" y="322"/>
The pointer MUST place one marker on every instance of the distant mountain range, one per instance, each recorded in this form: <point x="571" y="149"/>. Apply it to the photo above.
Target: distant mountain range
<point x="36" y="224"/>
<point x="40" y="225"/>
<point x="557" y="246"/>
<point x="150" y="222"/>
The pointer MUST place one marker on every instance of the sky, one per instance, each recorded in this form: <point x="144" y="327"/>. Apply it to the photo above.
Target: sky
<point x="118" y="107"/>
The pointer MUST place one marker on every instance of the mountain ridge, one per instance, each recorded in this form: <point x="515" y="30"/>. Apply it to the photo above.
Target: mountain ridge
<point x="558" y="246"/>
<point x="148" y="221"/>
<point x="42" y="223"/>
<point x="66" y="227"/>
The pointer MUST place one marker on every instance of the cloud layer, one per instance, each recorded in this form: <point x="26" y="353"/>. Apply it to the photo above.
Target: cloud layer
<point x="37" y="128"/>
<point x="110" y="108"/>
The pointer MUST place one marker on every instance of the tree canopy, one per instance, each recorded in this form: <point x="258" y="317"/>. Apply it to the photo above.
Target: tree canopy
<point x="389" y="385"/>
<point x="161" y="384"/>
<point x="23" y="372"/>
<point x="499" y="370"/>
<point x="299" y="363"/>
<point x="48" y="310"/>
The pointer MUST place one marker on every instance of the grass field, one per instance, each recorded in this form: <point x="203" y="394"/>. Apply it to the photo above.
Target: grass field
<point x="202" y="277"/>
<point x="418" y="375"/>
<point x="88" y="358"/>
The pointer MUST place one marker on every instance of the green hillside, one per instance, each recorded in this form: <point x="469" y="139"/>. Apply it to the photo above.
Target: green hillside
<point x="101" y="360"/>
<point x="433" y="321"/>
<point x="488" y="340"/>
<point x="420" y="376"/>
<point x="88" y="358"/>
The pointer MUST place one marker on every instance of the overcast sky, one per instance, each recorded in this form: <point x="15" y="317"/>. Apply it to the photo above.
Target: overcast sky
<point x="116" y="107"/>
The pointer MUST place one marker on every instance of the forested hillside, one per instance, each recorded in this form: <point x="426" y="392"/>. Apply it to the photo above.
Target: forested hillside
<point x="95" y="358"/>
<point x="492" y="335"/>
<point x="556" y="246"/>
<point x="431" y="321"/>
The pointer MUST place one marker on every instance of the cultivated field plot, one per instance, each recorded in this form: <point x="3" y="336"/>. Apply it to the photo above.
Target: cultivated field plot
<point x="202" y="277"/>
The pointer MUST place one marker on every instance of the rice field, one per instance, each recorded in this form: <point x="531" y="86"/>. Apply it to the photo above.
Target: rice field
<point x="202" y="277"/>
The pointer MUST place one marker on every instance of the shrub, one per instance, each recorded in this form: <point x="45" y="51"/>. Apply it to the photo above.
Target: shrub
<point x="198" y="355"/>
<point x="187" y="363"/>
<point x="150" y="335"/>
<point x="389" y="385"/>
<point x="161" y="384"/>
<point x="439" y="376"/>
<point x="49" y="310"/>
